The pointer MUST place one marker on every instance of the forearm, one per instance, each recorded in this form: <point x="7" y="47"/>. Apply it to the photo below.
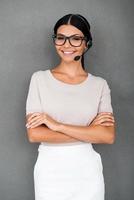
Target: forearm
<point x="44" y="134"/>
<point x="92" y="133"/>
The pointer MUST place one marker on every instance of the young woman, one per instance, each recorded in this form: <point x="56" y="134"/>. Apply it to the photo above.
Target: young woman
<point x="67" y="110"/>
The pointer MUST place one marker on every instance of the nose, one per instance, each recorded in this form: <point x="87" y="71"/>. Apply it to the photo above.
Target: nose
<point x="67" y="44"/>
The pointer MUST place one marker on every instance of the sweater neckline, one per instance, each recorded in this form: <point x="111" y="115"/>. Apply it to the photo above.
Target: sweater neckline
<point x="68" y="84"/>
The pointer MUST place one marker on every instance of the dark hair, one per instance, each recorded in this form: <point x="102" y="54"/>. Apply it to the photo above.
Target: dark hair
<point x="79" y="22"/>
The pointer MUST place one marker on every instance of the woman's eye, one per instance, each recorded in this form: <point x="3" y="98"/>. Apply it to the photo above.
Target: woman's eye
<point x="60" y="38"/>
<point x="76" y="38"/>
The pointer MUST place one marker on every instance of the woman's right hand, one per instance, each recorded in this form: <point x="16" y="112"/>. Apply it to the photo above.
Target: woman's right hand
<point x="103" y="119"/>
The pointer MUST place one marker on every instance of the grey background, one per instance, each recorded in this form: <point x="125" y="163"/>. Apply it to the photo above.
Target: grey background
<point x="25" y="47"/>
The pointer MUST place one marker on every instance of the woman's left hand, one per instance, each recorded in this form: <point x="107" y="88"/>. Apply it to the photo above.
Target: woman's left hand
<point x="37" y="119"/>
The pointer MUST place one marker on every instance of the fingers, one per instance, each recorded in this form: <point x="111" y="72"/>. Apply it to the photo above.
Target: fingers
<point x="104" y="118"/>
<point x="107" y="124"/>
<point x="35" y="120"/>
<point x="33" y="115"/>
<point x="103" y="124"/>
<point x="34" y="123"/>
<point x="105" y="115"/>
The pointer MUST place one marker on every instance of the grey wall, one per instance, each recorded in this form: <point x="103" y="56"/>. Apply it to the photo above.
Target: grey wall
<point x="26" y="46"/>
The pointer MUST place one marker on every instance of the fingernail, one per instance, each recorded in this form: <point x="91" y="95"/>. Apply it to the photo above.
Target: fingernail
<point x="27" y="126"/>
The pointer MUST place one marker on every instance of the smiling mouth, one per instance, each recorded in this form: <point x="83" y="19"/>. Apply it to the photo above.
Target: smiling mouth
<point x="68" y="52"/>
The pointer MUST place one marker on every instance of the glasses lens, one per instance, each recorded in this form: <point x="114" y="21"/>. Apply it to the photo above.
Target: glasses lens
<point x="76" y="40"/>
<point x="59" y="39"/>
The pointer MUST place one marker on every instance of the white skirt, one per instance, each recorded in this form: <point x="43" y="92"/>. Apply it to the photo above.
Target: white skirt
<point x="68" y="172"/>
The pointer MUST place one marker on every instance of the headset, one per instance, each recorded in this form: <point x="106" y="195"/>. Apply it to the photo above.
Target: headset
<point x="89" y="42"/>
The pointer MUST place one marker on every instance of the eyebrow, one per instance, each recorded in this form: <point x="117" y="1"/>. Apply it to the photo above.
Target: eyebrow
<point x="70" y="35"/>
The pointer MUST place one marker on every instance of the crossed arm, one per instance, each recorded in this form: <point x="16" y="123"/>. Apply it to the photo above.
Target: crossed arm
<point x="42" y="128"/>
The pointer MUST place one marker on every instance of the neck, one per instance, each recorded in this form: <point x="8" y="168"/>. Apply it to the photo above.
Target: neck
<point x="71" y="68"/>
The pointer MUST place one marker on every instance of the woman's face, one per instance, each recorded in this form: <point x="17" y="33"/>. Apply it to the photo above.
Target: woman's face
<point x="66" y="51"/>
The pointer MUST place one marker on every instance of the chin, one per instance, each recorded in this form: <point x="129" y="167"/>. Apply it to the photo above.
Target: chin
<point x="67" y="60"/>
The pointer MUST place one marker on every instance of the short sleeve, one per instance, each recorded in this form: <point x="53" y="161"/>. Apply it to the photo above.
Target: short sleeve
<point x="105" y="100"/>
<point x="33" y="103"/>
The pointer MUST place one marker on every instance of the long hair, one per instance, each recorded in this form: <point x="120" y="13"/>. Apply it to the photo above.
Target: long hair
<point x="79" y="22"/>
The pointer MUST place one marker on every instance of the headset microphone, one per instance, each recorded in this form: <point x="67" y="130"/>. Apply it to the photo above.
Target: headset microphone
<point x="77" y="58"/>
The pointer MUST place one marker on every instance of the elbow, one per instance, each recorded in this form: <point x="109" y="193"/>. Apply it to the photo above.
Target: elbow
<point x="31" y="140"/>
<point x="111" y="135"/>
<point x="30" y="134"/>
<point x="111" y="139"/>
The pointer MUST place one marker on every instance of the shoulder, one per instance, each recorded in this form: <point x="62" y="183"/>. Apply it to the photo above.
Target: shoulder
<point x="98" y="80"/>
<point x="37" y="75"/>
<point x="101" y="83"/>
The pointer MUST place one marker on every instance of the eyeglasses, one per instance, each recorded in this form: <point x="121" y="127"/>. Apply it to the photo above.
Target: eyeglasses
<point x="74" y="40"/>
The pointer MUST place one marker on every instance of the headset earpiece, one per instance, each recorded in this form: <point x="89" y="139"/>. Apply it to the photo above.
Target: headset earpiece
<point x="89" y="44"/>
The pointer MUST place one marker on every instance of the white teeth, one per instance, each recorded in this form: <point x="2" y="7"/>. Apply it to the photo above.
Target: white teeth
<point x="67" y="52"/>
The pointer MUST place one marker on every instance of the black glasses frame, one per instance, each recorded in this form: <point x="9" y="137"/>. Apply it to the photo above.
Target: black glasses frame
<point x="68" y="38"/>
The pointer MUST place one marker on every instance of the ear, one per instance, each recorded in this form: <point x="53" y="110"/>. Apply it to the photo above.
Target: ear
<point x="89" y="44"/>
<point x="86" y="47"/>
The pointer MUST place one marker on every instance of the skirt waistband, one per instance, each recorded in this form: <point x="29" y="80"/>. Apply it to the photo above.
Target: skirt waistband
<point x="66" y="146"/>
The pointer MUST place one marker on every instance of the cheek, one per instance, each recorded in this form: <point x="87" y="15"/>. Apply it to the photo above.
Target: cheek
<point x="57" y="49"/>
<point x="81" y="50"/>
<point x="84" y="46"/>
